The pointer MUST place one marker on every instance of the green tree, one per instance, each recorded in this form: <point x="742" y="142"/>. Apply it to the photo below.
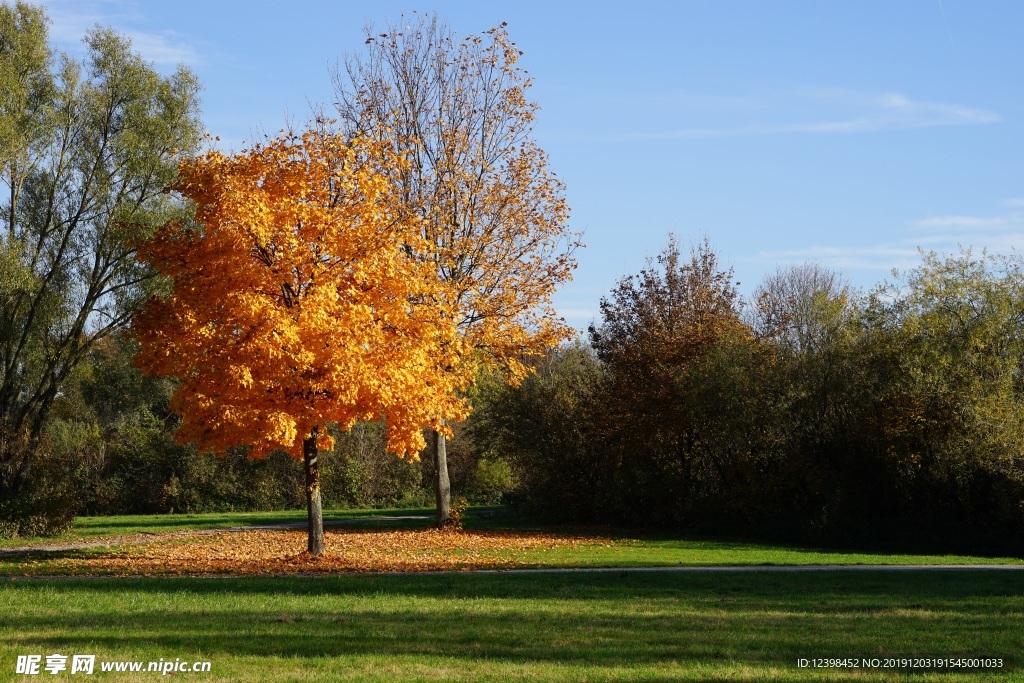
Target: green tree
<point x="808" y="315"/>
<point x="948" y="342"/>
<point x="548" y="429"/>
<point x="86" y="149"/>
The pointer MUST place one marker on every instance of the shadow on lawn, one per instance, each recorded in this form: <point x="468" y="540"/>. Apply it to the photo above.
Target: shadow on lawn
<point x="810" y="588"/>
<point x="600" y="619"/>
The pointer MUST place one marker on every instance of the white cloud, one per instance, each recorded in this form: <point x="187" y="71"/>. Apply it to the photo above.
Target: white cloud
<point x="1015" y="203"/>
<point x="944" y="234"/>
<point x="836" y="111"/>
<point x="971" y="222"/>
<point x="880" y="257"/>
<point x="165" y="48"/>
<point x="897" y="101"/>
<point x="1000" y="233"/>
<point x="69" y="22"/>
<point x="901" y="105"/>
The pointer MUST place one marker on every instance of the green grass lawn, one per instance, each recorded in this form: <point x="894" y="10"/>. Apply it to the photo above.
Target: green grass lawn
<point x="611" y="626"/>
<point x="502" y="627"/>
<point x="646" y="552"/>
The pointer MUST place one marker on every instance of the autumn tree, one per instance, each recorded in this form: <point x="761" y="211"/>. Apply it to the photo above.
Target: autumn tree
<point x="298" y="300"/>
<point x="493" y="215"/>
<point x="665" y="318"/>
<point x="803" y="307"/>
<point x="674" y="348"/>
<point x="85" y="151"/>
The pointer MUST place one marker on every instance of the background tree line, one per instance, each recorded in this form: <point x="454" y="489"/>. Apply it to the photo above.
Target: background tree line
<point x="812" y="412"/>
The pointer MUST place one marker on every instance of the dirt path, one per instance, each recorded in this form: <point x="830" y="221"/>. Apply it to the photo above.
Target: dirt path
<point x="730" y="569"/>
<point x="764" y="568"/>
<point x="47" y="547"/>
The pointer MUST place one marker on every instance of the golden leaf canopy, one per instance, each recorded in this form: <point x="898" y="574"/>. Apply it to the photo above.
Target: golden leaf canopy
<point x="301" y="296"/>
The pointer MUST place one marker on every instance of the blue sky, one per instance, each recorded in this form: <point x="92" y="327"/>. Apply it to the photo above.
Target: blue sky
<point x="849" y="133"/>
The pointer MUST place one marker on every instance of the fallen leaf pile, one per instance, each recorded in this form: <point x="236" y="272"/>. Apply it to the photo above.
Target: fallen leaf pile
<point x="253" y="552"/>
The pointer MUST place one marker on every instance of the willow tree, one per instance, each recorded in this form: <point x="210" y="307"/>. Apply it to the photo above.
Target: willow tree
<point x="297" y="301"/>
<point x="492" y="212"/>
<point x="86" y="149"/>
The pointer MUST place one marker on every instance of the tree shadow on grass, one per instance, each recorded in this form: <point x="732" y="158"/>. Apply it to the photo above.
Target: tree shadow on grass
<point x="600" y="619"/>
<point x="843" y="586"/>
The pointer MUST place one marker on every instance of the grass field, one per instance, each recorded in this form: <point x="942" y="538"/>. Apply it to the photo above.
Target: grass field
<point x="579" y="626"/>
<point x="549" y="627"/>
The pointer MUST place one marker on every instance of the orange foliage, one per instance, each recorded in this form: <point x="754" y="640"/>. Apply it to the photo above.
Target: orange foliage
<point x="493" y="213"/>
<point x="273" y="552"/>
<point x="297" y="300"/>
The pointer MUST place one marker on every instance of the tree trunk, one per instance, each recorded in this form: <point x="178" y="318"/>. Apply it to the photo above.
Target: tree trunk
<point x="16" y="455"/>
<point x="313" y="505"/>
<point x="442" y="484"/>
